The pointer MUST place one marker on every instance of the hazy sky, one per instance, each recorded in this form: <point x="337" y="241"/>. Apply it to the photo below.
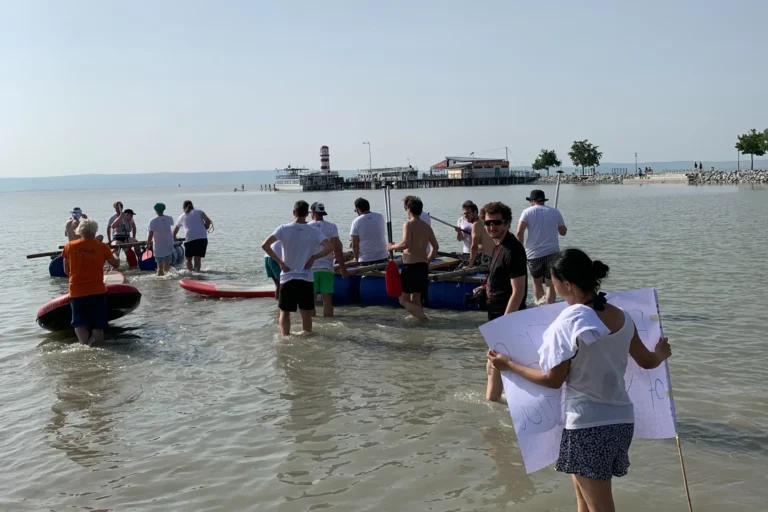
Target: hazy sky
<point x="149" y="86"/>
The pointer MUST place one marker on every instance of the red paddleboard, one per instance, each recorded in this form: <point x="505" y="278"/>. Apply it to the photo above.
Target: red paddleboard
<point x="213" y="289"/>
<point x="392" y="279"/>
<point x="114" y="277"/>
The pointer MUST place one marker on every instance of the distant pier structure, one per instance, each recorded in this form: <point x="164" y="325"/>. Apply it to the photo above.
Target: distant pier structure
<point x="450" y="172"/>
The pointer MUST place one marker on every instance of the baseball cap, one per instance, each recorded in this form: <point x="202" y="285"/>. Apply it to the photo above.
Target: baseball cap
<point x="159" y="207"/>
<point x="537" y="195"/>
<point x="318" y="208"/>
<point x="128" y="210"/>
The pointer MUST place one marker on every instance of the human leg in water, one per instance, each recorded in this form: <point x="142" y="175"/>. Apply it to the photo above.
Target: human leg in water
<point x="83" y="334"/>
<point x="306" y="319"/>
<point x="285" y="323"/>
<point x="412" y="303"/>
<point x="198" y="262"/>
<point x="597" y="494"/>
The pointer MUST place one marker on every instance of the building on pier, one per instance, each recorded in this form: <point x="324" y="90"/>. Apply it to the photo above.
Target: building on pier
<point x="464" y="168"/>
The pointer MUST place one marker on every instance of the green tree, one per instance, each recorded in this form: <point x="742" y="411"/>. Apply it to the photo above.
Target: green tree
<point x="546" y="159"/>
<point x="753" y="143"/>
<point x="584" y="154"/>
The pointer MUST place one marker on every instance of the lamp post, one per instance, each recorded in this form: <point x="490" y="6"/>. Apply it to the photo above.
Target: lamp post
<point x="636" y="167"/>
<point x="369" y="156"/>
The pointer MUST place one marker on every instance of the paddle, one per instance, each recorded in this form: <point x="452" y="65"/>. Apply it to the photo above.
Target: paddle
<point x="557" y="190"/>
<point x="392" y="274"/>
<point x="43" y="254"/>
<point x="449" y="224"/>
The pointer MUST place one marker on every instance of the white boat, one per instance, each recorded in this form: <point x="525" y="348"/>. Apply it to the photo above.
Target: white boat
<point x="301" y="179"/>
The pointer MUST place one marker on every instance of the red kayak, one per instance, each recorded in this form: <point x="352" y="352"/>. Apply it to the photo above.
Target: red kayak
<point x="213" y="289"/>
<point x="56" y="314"/>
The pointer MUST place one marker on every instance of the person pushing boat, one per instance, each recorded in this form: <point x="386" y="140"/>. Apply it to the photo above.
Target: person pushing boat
<point x="124" y="227"/>
<point x="322" y="268"/>
<point x="482" y="246"/>
<point x="196" y="225"/>
<point x="84" y="260"/>
<point x="414" y="275"/>
<point x="424" y="215"/>
<point x="118" y="206"/>
<point x="464" y="229"/>
<point x="368" y="234"/>
<point x="299" y="243"/>
<point x="160" y="239"/>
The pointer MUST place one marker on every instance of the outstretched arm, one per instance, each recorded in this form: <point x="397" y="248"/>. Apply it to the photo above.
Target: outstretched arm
<point x="553" y="379"/>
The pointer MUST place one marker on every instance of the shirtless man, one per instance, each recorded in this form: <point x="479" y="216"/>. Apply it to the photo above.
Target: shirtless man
<point x="417" y="235"/>
<point x="482" y="246"/>
<point x="70" y="229"/>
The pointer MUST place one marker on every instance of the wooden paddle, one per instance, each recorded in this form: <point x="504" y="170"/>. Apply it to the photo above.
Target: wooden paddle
<point x="43" y="254"/>
<point x="392" y="275"/>
<point x="450" y="225"/>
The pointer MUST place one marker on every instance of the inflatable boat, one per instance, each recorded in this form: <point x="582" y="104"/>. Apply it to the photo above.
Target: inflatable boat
<point x="147" y="261"/>
<point x="56" y="314"/>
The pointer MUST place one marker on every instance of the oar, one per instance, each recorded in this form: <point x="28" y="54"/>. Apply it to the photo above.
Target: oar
<point x="43" y="254"/>
<point x="392" y="275"/>
<point x="557" y="190"/>
<point x="450" y="225"/>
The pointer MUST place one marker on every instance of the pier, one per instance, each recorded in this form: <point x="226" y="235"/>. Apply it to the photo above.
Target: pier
<point x="438" y="182"/>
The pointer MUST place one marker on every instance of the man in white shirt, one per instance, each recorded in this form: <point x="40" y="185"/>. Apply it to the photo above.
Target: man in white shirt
<point x="160" y="239"/>
<point x="544" y="224"/>
<point x="323" y="267"/>
<point x="464" y="227"/>
<point x="369" y="234"/>
<point x="299" y="242"/>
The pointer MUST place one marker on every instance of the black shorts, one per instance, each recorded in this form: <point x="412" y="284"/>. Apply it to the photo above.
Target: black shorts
<point x="414" y="277"/>
<point x="89" y="311"/>
<point x="539" y="267"/>
<point x="196" y="248"/>
<point x="297" y="293"/>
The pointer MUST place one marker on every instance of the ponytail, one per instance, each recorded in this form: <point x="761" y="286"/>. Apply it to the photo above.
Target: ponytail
<point x="574" y="266"/>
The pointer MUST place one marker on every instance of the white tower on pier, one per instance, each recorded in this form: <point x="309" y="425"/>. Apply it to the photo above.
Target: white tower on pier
<point x="325" y="161"/>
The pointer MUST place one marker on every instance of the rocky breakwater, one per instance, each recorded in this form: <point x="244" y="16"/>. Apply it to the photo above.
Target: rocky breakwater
<point x="729" y="177"/>
<point x="576" y="179"/>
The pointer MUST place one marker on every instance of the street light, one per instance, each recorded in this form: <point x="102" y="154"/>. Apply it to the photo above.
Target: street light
<point x="369" y="156"/>
<point x="636" y="167"/>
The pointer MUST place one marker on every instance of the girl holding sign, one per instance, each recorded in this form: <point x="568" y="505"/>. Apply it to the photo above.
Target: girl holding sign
<point x="587" y="348"/>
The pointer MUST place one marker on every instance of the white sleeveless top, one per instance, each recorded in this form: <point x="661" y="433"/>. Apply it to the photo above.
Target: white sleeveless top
<point x="595" y="393"/>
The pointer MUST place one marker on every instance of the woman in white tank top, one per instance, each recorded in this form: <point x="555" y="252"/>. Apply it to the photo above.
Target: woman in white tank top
<point x="587" y="349"/>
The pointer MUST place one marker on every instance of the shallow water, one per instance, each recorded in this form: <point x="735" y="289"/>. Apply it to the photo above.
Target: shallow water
<point x="196" y="404"/>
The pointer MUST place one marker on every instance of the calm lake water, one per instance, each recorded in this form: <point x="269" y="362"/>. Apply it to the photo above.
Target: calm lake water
<point x="196" y="404"/>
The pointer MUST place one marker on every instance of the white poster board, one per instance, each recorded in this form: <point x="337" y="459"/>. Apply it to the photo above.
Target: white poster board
<point x="538" y="412"/>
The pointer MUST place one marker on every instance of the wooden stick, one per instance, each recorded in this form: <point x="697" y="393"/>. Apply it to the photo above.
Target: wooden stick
<point x="43" y="254"/>
<point x="677" y="435"/>
<point x="449" y="225"/>
<point x="364" y="268"/>
<point x="685" y="477"/>
<point x="442" y="276"/>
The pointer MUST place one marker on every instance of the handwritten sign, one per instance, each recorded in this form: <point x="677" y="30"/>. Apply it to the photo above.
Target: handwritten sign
<point x="538" y="413"/>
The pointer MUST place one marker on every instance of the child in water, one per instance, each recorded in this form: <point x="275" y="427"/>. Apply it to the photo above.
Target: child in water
<point x="587" y="348"/>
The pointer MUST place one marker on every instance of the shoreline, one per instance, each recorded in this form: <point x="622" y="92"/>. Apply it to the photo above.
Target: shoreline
<point x="758" y="176"/>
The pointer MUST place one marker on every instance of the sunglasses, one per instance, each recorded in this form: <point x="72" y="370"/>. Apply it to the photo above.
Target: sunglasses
<point x="495" y="222"/>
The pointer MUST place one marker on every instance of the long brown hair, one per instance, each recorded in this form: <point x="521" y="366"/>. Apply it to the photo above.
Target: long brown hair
<point x="188" y="206"/>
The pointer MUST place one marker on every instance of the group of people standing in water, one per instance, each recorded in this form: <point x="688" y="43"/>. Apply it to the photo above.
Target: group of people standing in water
<point x="586" y="348"/>
<point x="85" y="256"/>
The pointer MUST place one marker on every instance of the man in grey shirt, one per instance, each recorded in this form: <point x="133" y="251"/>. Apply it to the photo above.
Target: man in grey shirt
<point x="544" y="224"/>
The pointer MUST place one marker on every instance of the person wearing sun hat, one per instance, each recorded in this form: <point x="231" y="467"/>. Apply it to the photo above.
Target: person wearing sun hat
<point x="544" y="224"/>
<point x="160" y="239"/>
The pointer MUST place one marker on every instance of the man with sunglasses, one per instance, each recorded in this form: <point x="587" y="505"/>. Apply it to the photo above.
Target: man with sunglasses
<point x="507" y="283"/>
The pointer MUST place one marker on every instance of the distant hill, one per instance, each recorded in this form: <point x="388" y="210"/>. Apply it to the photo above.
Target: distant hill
<point x="256" y="178"/>
<point x="161" y="179"/>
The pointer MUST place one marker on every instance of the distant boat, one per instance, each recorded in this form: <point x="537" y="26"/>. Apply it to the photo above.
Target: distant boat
<point x="301" y="179"/>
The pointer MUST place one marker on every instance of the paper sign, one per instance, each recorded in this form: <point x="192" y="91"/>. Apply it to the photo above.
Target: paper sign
<point x="538" y="412"/>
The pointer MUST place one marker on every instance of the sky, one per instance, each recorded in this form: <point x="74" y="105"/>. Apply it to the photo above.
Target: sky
<point x="185" y="86"/>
